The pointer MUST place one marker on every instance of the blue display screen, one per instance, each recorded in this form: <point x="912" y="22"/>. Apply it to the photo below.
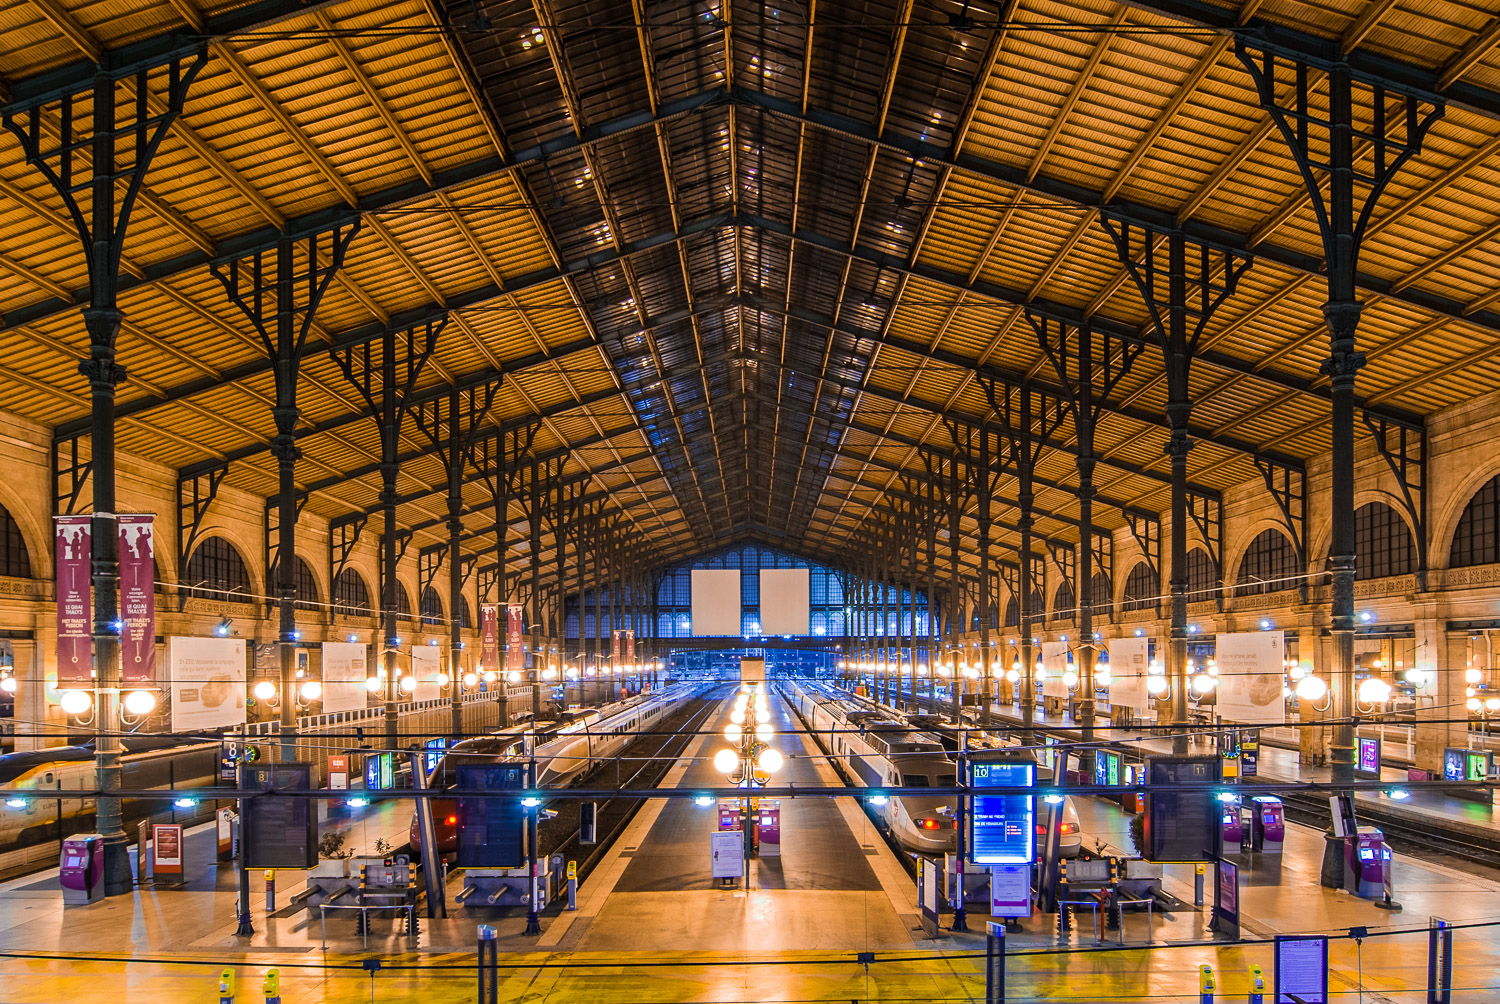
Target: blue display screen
<point x="1453" y="764"/>
<point x="1002" y="828"/>
<point x="435" y="749"/>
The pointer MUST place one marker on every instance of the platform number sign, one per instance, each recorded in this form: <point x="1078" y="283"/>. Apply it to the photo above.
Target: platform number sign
<point x="1002" y="827"/>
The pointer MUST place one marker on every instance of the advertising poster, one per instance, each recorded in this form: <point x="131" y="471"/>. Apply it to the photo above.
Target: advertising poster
<point x="75" y="603"/>
<point x="345" y="667"/>
<point x="515" y="634"/>
<point x="426" y="664"/>
<point x="166" y="848"/>
<point x="629" y="647"/>
<point x="1128" y="658"/>
<point x="489" y="638"/>
<point x="208" y="682"/>
<point x="137" y="600"/>
<point x="1251" y="675"/>
<point x="616" y="644"/>
<point x="1055" y="662"/>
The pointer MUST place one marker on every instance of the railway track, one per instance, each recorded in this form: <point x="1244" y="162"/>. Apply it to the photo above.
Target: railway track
<point x="642" y="764"/>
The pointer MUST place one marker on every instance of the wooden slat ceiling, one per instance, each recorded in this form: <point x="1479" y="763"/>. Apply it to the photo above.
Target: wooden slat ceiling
<point x="750" y="266"/>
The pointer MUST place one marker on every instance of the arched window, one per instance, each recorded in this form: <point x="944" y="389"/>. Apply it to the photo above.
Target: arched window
<point x="432" y="606"/>
<point x="217" y="572"/>
<point x="307" y="587"/>
<point x="1269" y="565"/>
<point x="403" y="603"/>
<point x="1477" y="539"/>
<point x="1101" y="595"/>
<point x="1382" y="543"/>
<point x="1012" y="612"/>
<point x="1201" y="581"/>
<point x="1142" y="587"/>
<point x="1063" y="601"/>
<point x="465" y="621"/>
<point x="15" y="560"/>
<point x="351" y="597"/>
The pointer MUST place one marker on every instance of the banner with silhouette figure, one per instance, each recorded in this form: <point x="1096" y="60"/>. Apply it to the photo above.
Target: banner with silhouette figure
<point x="137" y="600"/>
<point x="72" y="537"/>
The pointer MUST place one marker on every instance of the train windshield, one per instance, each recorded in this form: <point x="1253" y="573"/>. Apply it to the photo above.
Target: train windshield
<point x="947" y="780"/>
<point x="916" y="781"/>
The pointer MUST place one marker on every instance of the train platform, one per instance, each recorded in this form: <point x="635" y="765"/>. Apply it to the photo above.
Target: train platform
<point x="1476" y="820"/>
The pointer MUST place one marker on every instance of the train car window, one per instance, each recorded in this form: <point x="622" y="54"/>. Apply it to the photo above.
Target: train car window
<point x="916" y="781"/>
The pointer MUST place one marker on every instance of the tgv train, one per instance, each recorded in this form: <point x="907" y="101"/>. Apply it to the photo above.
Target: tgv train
<point x="879" y="752"/>
<point x="565" y="750"/>
<point x="148" y="762"/>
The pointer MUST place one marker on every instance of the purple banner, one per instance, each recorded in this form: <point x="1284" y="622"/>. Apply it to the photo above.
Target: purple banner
<point x="137" y="601"/>
<point x="75" y="606"/>
<point x="489" y="637"/>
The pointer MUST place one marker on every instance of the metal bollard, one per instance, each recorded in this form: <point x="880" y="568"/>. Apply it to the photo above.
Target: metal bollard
<point x="1198" y="885"/>
<point x="488" y="962"/>
<point x="226" y="987"/>
<point x="994" y="963"/>
<point x="572" y="885"/>
<point x="270" y="890"/>
<point x="271" y="988"/>
<point x="1205" y="985"/>
<point x="1257" y="985"/>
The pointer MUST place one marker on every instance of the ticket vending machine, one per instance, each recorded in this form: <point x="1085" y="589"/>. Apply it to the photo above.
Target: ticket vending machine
<point x="1267" y="824"/>
<point x="1369" y="864"/>
<point x="1231" y="825"/>
<point x="82" y="870"/>
<point x="768" y="827"/>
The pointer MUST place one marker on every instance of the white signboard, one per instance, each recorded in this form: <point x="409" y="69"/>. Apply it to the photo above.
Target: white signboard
<point x="716" y="602"/>
<point x="208" y="682"/>
<point x="784" y="603"/>
<point x="1251" y="677"/>
<point x="728" y="848"/>
<point x="426" y="664"/>
<point x="345" y="667"/>
<point x="1127" y="673"/>
<point x="1055" y="662"/>
<point x="1010" y="891"/>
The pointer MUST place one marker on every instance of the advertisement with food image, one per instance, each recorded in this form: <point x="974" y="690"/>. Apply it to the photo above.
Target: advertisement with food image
<point x="208" y="682"/>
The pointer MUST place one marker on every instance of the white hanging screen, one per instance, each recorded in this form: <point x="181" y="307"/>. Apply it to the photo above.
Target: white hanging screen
<point x="784" y="606"/>
<point x="716" y="602"/>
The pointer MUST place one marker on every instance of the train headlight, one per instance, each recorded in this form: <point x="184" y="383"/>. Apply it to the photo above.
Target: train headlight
<point x="140" y="702"/>
<point x="878" y="800"/>
<point x="770" y="761"/>
<point x="76" y="702"/>
<point x="703" y="800"/>
<point x="186" y="803"/>
<point x="531" y="803"/>
<point x="726" y="761"/>
<point x="15" y="803"/>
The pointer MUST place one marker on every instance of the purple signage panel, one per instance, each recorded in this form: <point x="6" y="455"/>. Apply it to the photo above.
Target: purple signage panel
<point x="1367" y="763"/>
<point x="489" y="637"/>
<point x="75" y="605"/>
<point x="137" y="601"/>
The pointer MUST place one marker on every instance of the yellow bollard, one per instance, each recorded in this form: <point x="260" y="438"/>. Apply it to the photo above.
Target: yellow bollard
<point x="271" y="988"/>
<point x="226" y="987"/>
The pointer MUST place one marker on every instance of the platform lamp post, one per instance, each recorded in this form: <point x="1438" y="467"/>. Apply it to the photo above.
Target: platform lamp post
<point x="749" y="760"/>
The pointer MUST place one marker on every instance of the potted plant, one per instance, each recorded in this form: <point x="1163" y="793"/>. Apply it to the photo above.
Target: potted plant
<point x="1138" y="832"/>
<point x="333" y="858"/>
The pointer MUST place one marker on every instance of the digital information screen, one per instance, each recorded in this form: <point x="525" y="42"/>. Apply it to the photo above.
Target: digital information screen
<point x="491" y="831"/>
<point x="1367" y="758"/>
<point x="1106" y="768"/>
<point x="1182" y="825"/>
<point x="1002" y="828"/>
<point x="380" y="771"/>
<point x="435" y="748"/>
<point x="1301" y="970"/>
<point x="279" y="832"/>
<point x="1453" y="764"/>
